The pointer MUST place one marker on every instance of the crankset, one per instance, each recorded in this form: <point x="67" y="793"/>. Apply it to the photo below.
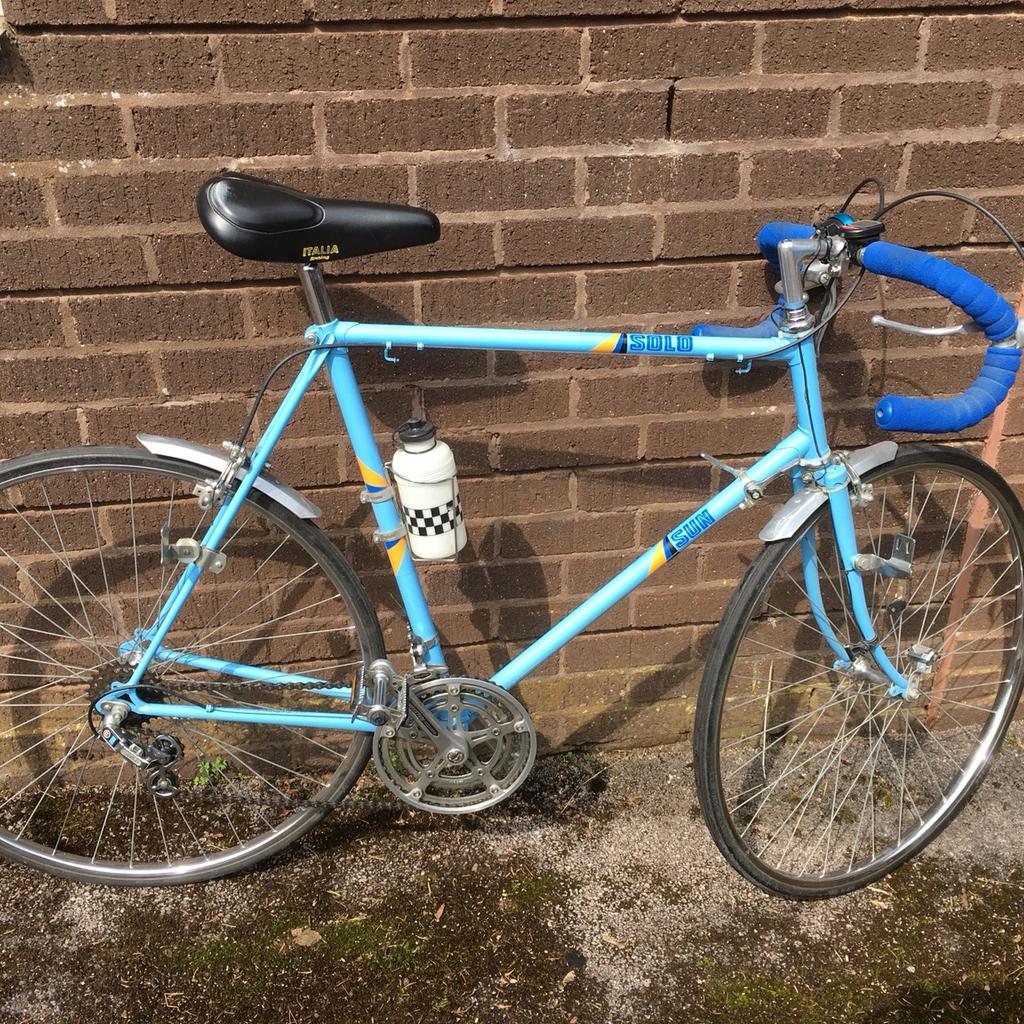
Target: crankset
<point x="465" y="745"/>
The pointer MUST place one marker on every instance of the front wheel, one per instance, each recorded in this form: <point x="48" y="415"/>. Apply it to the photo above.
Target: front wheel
<point x="813" y="780"/>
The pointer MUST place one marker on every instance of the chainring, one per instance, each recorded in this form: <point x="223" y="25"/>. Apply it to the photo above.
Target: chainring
<point x="501" y="746"/>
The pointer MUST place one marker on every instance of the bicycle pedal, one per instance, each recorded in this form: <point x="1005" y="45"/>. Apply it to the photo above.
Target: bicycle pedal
<point x="899" y="565"/>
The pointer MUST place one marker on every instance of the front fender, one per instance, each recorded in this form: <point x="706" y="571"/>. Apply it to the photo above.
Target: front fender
<point x="788" y="520"/>
<point x="210" y="458"/>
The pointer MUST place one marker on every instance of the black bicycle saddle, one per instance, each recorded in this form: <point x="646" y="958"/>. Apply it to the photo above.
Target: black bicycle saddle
<point x="260" y="220"/>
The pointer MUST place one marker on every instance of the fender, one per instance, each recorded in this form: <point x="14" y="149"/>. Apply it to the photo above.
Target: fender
<point x="803" y="504"/>
<point x="210" y="458"/>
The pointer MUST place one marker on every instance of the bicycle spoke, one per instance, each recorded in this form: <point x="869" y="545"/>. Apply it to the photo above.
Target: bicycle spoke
<point x="84" y="576"/>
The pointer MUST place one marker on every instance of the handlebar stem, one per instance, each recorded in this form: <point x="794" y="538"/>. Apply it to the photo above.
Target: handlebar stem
<point x="792" y="253"/>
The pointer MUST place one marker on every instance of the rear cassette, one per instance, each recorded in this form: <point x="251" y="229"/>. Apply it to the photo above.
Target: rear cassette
<point x="467" y="744"/>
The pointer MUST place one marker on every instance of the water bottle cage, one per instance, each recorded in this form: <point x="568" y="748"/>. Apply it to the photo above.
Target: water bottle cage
<point x="381" y="537"/>
<point x="374" y="497"/>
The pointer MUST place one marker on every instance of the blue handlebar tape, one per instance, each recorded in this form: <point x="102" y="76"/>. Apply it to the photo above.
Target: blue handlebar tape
<point x="776" y="231"/>
<point x="948" y="415"/>
<point x="981" y="303"/>
<point x="978" y="300"/>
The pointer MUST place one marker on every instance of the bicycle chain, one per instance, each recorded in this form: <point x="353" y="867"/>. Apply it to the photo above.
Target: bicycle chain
<point x="270" y="800"/>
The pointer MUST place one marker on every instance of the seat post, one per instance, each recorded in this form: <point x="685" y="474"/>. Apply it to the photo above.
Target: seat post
<point x="315" y="290"/>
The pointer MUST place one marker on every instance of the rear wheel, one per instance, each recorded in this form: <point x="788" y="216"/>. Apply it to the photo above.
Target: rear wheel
<point x="80" y="571"/>
<point x="812" y="779"/>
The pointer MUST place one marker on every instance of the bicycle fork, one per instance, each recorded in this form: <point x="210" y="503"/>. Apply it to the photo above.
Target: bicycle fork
<point x="866" y="657"/>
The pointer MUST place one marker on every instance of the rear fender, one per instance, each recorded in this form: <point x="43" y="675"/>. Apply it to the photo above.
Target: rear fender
<point x="211" y="459"/>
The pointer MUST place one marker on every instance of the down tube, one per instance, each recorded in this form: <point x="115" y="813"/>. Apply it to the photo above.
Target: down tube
<point x="781" y="458"/>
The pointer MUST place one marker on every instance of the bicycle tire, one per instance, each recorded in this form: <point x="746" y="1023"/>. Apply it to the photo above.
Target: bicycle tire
<point x="709" y="752"/>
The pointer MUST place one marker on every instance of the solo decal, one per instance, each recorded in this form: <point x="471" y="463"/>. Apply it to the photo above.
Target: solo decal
<point x="653" y="344"/>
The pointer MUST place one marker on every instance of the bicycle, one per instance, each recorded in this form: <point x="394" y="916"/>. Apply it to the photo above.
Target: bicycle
<point x="196" y="676"/>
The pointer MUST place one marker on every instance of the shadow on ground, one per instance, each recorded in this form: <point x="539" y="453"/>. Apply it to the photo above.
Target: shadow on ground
<point x="597" y="897"/>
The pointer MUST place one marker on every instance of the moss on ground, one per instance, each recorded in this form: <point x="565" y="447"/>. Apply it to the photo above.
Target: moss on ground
<point x="453" y="941"/>
<point x="930" y="945"/>
<point x="469" y="921"/>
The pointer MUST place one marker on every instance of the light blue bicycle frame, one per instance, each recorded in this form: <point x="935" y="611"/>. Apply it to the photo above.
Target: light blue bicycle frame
<point x="806" y="445"/>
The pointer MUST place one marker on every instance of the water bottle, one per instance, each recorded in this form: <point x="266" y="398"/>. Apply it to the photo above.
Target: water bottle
<point x="423" y="469"/>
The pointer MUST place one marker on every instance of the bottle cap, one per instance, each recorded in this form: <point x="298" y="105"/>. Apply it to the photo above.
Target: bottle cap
<point x="416" y="431"/>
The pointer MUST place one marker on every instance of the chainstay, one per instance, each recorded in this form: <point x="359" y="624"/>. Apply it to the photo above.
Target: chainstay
<point x="172" y="686"/>
<point x="347" y="806"/>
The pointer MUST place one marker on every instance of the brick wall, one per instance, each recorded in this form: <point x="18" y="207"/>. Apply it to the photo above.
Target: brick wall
<point x="603" y="163"/>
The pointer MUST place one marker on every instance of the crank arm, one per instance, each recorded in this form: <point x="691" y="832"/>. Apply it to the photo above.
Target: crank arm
<point x="443" y="738"/>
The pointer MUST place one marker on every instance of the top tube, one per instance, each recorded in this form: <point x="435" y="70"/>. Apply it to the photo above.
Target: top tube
<point x="693" y="346"/>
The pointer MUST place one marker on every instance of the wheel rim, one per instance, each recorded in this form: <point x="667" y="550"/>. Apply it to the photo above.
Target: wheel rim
<point x="824" y="779"/>
<point x="79" y="571"/>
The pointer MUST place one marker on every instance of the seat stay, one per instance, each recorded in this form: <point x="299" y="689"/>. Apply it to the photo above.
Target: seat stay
<point x="271" y="677"/>
<point x="148" y="641"/>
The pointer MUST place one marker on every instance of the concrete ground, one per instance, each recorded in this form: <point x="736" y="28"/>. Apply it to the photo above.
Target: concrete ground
<point x="597" y="896"/>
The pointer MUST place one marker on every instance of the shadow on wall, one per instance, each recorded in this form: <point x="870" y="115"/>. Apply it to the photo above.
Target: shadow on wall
<point x="13" y="70"/>
<point x="645" y="718"/>
<point x="481" y="581"/>
<point x="351" y="302"/>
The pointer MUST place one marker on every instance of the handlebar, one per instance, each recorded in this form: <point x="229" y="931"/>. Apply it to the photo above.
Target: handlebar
<point x="979" y="301"/>
<point x="948" y="415"/>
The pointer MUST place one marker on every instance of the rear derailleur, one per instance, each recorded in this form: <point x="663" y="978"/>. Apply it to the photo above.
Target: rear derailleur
<point x="153" y="758"/>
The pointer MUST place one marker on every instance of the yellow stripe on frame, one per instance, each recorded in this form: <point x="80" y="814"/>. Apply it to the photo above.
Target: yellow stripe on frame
<point x="395" y="554"/>
<point x="607" y="344"/>
<point x="658" y="558"/>
<point x="370" y="476"/>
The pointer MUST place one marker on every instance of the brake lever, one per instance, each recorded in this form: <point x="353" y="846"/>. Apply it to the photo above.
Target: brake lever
<point x="971" y="327"/>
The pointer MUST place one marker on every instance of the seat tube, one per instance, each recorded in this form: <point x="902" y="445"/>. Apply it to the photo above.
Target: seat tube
<point x="380" y="496"/>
